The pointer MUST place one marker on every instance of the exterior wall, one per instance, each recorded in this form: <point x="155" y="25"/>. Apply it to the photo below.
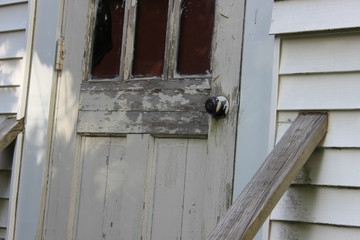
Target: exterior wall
<point x="319" y="71"/>
<point x="13" y="35"/>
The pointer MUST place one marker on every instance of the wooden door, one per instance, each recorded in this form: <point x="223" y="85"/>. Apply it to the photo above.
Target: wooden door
<point x="134" y="154"/>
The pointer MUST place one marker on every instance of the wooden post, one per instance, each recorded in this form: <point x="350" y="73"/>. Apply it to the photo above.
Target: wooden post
<point x="249" y="211"/>
<point x="9" y="129"/>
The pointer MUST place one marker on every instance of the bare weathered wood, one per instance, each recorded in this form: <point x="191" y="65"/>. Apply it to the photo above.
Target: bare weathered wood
<point x="9" y="129"/>
<point x="251" y="208"/>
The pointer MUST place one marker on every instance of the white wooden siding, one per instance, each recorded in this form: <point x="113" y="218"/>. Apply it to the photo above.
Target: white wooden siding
<point x="13" y="24"/>
<point x="321" y="73"/>
<point x="13" y="17"/>
<point x="313" y="15"/>
<point x="303" y="231"/>
<point x="326" y="205"/>
<point x="334" y="53"/>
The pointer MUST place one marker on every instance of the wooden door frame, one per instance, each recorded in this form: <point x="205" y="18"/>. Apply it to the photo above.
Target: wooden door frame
<point x="59" y="213"/>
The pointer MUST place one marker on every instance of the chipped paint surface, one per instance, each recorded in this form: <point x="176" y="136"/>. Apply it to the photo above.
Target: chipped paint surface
<point x="158" y="107"/>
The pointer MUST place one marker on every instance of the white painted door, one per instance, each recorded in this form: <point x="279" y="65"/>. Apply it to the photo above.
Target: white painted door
<point x="134" y="155"/>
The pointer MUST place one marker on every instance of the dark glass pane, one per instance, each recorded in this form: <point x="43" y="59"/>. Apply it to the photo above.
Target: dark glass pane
<point x="150" y="38"/>
<point x="196" y="29"/>
<point x="108" y="39"/>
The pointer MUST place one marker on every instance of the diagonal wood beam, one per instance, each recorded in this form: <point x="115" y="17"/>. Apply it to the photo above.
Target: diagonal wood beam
<point x="9" y="129"/>
<point x="249" y="211"/>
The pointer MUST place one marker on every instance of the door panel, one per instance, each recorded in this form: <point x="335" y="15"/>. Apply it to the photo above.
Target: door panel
<point x="141" y="154"/>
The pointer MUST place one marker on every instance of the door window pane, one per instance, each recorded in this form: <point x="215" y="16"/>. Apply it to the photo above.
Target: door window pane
<point x="108" y="39"/>
<point x="196" y="29"/>
<point x="150" y="35"/>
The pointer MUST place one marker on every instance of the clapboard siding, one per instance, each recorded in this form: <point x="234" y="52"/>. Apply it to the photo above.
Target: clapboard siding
<point x="9" y="99"/>
<point x="332" y="167"/>
<point x="13" y="17"/>
<point x="4" y="209"/>
<point x="320" y="91"/>
<point x="334" y="53"/>
<point x="304" y="231"/>
<point x="10" y="2"/>
<point x="314" y="15"/>
<point x="5" y="177"/>
<point x="12" y="45"/>
<point x="10" y="72"/>
<point x="326" y="205"/>
<point x="343" y="128"/>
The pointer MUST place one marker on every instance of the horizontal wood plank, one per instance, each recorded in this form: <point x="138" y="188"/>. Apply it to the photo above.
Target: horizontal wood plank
<point x="3" y="233"/>
<point x="302" y="231"/>
<point x="315" y="15"/>
<point x="343" y="129"/>
<point x="5" y="177"/>
<point x="104" y="122"/>
<point x="9" y="97"/>
<point x="326" y="205"/>
<point x="144" y="106"/>
<point x="334" y="53"/>
<point x="331" y="167"/>
<point x="9" y="2"/>
<point x="13" y="17"/>
<point x="11" y="73"/>
<point x="4" y="209"/>
<point x="6" y="157"/>
<point x="251" y="208"/>
<point x="9" y="129"/>
<point x="144" y="100"/>
<point x="12" y="44"/>
<point x="319" y="91"/>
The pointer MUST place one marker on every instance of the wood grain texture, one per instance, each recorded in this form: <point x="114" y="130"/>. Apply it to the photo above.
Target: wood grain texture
<point x="316" y="15"/>
<point x="334" y="53"/>
<point x="326" y="205"/>
<point x="319" y="91"/>
<point x="331" y="167"/>
<point x="302" y="231"/>
<point x="260" y="196"/>
<point x="9" y="129"/>
<point x="157" y="107"/>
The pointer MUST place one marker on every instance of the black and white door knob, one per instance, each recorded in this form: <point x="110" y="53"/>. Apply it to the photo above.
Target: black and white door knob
<point x="218" y="107"/>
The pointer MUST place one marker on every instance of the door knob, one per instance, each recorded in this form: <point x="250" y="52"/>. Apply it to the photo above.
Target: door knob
<point x="218" y="107"/>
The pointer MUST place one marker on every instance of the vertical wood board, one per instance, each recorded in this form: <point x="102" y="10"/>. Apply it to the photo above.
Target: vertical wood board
<point x="171" y="158"/>
<point x="195" y="184"/>
<point x="302" y="231"/>
<point x="13" y="17"/>
<point x="314" y="15"/>
<point x="324" y="205"/>
<point x="334" y="53"/>
<point x="319" y="91"/>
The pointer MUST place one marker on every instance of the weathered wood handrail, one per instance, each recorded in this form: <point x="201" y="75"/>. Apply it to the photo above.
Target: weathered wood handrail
<point x="249" y="211"/>
<point x="9" y="129"/>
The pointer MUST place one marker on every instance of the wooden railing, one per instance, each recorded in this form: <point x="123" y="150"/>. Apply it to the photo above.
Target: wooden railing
<point x="9" y="129"/>
<point x="249" y="211"/>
